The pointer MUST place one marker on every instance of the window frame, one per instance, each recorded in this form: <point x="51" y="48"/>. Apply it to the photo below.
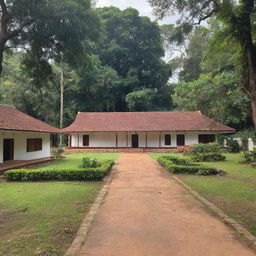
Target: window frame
<point x="207" y="138"/>
<point x="37" y="144"/>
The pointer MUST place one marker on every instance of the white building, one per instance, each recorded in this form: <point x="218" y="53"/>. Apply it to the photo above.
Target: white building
<point x="23" y="137"/>
<point x="142" y="130"/>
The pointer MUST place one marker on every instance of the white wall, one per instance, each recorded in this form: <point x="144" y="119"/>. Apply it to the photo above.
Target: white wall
<point x="20" y="144"/>
<point x="108" y="139"/>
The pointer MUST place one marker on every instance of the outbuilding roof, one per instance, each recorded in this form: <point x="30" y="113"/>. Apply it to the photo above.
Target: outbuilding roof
<point x="144" y="121"/>
<point x="13" y="119"/>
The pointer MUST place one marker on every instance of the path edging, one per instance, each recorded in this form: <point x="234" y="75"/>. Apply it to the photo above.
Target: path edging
<point x="86" y="224"/>
<point x="243" y="232"/>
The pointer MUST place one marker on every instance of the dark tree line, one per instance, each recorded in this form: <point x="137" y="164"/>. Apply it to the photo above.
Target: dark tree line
<point x="108" y="60"/>
<point x="112" y="60"/>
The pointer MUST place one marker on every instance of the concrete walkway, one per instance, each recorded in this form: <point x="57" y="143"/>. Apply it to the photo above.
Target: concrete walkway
<point x="146" y="213"/>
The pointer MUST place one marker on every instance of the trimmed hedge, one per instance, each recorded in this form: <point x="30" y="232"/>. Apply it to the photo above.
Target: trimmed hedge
<point x="80" y="174"/>
<point x="179" y="160"/>
<point x="178" y="165"/>
<point x="208" y="157"/>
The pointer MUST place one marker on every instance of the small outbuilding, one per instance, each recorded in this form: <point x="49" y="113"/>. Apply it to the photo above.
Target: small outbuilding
<point x="23" y="137"/>
<point x="143" y="129"/>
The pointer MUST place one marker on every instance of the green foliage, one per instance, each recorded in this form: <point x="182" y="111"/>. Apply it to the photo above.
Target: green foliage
<point x="112" y="62"/>
<point x="179" y="166"/>
<point x="203" y="148"/>
<point x="47" y="28"/>
<point x="233" y="145"/>
<point x="88" y="162"/>
<point x="205" y="152"/>
<point x="56" y="153"/>
<point x="149" y="99"/>
<point x="217" y="96"/>
<point x="133" y="47"/>
<point x="85" y="174"/>
<point x="180" y="161"/>
<point x="208" y="157"/>
<point x="232" y="51"/>
<point x="250" y="156"/>
<point x="191" y="64"/>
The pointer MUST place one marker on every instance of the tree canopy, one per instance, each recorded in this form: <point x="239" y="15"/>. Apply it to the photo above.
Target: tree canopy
<point x="113" y="61"/>
<point x="237" y="28"/>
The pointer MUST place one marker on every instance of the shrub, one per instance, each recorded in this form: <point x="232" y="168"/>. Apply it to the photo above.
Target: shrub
<point x="82" y="174"/>
<point x="56" y="153"/>
<point x="203" y="148"/>
<point x="208" y="157"/>
<point x="180" y="161"/>
<point x="179" y="165"/>
<point x="233" y="145"/>
<point x="250" y="156"/>
<point x="205" y="152"/>
<point x="88" y="162"/>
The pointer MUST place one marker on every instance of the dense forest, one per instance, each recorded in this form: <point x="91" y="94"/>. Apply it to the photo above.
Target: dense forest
<point x="106" y="59"/>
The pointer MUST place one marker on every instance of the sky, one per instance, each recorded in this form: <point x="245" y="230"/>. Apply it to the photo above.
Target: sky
<point x="141" y="5"/>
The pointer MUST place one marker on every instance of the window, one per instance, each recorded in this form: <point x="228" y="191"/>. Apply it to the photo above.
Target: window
<point x="206" y="138"/>
<point x="167" y="139"/>
<point x="86" y="140"/>
<point x="34" y="145"/>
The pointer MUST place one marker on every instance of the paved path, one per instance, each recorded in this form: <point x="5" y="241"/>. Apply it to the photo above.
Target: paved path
<point x="146" y="213"/>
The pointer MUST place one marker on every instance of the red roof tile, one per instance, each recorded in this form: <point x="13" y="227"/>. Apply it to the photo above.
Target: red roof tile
<point x="145" y="121"/>
<point x="13" y="119"/>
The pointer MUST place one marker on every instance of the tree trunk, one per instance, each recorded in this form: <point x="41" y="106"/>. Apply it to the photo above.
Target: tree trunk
<point x="2" y="44"/>
<point x="61" y="101"/>
<point x="253" y="103"/>
<point x="250" y="86"/>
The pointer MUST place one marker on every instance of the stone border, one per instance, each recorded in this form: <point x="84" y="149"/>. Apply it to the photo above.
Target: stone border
<point x="84" y="229"/>
<point x="243" y="232"/>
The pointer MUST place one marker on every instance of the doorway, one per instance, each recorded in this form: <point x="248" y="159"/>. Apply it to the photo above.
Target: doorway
<point x="8" y="149"/>
<point x="180" y="140"/>
<point x="135" y="140"/>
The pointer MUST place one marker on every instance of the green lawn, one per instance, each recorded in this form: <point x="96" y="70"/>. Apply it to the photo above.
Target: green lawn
<point x="41" y="218"/>
<point x="74" y="160"/>
<point x="235" y="193"/>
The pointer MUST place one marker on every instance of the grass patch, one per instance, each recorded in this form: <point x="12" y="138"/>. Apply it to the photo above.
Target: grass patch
<point x="75" y="160"/>
<point x="235" y="193"/>
<point x="42" y="218"/>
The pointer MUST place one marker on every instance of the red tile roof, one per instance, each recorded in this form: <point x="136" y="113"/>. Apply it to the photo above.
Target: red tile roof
<point x="13" y="119"/>
<point x="145" y="121"/>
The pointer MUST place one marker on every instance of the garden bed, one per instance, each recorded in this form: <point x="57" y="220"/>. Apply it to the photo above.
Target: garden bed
<point x="234" y="193"/>
<point x="54" y="173"/>
<point x="180" y="165"/>
<point x="42" y="218"/>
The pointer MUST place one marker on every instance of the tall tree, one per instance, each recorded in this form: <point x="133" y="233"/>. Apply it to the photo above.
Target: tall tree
<point x="238" y="21"/>
<point x="42" y="27"/>
<point x="133" y="47"/>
